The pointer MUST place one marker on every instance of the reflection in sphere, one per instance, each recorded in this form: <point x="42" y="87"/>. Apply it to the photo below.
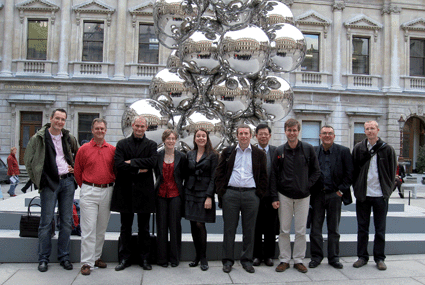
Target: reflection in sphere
<point x="274" y="96"/>
<point x="244" y="51"/>
<point x="173" y="61"/>
<point x="272" y="12"/>
<point x="157" y="115"/>
<point x="287" y="48"/>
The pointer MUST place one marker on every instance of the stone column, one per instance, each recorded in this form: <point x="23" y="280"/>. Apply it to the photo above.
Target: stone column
<point x="120" y="41"/>
<point x="64" y="39"/>
<point x="7" y="54"/>
<point x="395" y="34"/>
<point x="337" y="8"/>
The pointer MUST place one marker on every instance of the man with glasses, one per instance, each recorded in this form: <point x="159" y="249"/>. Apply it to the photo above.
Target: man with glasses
<point x="332" y="188"/>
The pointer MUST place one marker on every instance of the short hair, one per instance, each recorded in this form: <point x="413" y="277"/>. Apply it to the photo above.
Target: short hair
<point x="262" y="126"/>
<point x="372" y="122"/>
<point x="327" y="126"/>
<point x="99" y="120"/>
<point x="243" y="126"/>
<point x="58" y="110"/>
<point x="168" y="133"/>
<point x="139" y="118"/>
<point x="291" y="123"/>
<point x="12" y="149"/>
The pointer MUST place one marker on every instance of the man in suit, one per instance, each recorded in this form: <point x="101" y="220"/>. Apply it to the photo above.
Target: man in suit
<point x="241" y="180"/>
<point x="327" y="195"/>
<point x="267" y="216"/>
<point x="135" y="158"/>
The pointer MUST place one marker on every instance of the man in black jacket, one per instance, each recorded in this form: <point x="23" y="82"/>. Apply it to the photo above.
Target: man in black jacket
<point x="375" y="164"/>
<point x="295" y="169"/>
<point x="327" y="195"/>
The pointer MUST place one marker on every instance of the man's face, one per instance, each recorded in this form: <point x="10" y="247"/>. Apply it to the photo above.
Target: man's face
<point x="263" y="137"/>
<point x="371" y="131"/>
<point x="139" y="128"/>
<point x="292" y="134"/>
<point x="327" y="136"/>
<point x="99" y="131"/>
<point x="244" y="137"/>
<point x="57" y="122"/>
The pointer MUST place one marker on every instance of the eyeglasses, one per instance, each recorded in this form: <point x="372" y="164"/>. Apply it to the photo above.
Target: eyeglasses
<point x="327" y="134"/>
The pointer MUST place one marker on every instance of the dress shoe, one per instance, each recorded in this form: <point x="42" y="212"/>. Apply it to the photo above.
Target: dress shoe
<point x="227" y="268"/>
<point x="145" y="265"/>
<point x="66" y="264"/>
<point x="174" y="264"/>
<point x="359" y="263"/>
<point x="336" y="264"/>
<point x="381" y="265"/>
<point x="248" y="268"/>
<point x="300" y="267"/>
<point x="268" y="262"/>
<point x="100" y="263"/>
<point x="194" y="263"/>
<point x="313" y="264"/>
<point x="85" y="269"/>
<point x="24" y="191"/>
<point x="204" y="264"/>
<point x="165" y="265"/>
<point x="256" y="262"/>
<point x="123" y="265"/>
<point x="42" y="266"/>
<point x="282" y="267"/>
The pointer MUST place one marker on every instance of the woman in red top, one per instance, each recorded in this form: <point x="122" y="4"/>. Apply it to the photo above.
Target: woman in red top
<point x="13" y="171"/>
<point x="170" y="199"/>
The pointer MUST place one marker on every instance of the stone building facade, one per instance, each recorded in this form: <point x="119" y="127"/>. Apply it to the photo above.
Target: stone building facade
<point x="365" y="61"/>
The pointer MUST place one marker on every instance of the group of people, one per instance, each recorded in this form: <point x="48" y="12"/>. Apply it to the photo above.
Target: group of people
<point x="267" y="186"/>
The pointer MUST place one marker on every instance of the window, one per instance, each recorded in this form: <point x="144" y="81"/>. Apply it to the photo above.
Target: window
<point x="84" y="126"/>
<point x="359" y="134"/>
<point x="360" y="60"/>
<point x="93" y="41"/>
<point x="417" y="57"/>
<point x="310" y="133"/>
<point x="148" y="44"/>
<point x="37" y="39"/>
<point x="311" y="61"/>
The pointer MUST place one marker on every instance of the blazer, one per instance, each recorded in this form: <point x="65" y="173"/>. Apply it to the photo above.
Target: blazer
<point x="202" y="179"/>
<point x="341" y="172"/>
<point x="225" y="168"/>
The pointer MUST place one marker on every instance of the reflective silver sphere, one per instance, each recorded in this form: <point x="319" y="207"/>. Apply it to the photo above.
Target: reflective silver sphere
<point x="272" y="12"/>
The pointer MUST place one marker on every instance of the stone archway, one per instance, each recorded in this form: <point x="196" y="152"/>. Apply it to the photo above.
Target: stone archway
<point x="413" y="138"/>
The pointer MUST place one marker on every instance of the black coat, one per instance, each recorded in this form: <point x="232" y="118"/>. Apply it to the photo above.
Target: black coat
<point x="201" y="174"/>
<point x="134" y="192"/>
<point x="341" y="172"/>
<point x="180" y="164"/>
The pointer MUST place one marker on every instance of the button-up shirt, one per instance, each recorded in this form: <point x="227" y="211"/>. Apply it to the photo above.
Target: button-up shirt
<point x="325" y="167"/>
<point x="242" y="175"/>
<point x="373" y="185"/>
<point x="60" y="156"/>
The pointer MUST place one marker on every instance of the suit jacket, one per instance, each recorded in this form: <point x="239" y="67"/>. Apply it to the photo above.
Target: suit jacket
<point x="180" y="164"/>
<point x="134" y="192"/>
<point x="200" y="176"/>
<point x="341" y="172"/>
<point x="225" y="168"/>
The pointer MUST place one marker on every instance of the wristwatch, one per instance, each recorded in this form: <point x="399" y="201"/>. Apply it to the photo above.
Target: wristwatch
<point x="340" y="192"/>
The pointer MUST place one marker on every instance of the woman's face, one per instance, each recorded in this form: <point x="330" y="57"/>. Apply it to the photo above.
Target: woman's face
<point x="170" y="141"/>
<point x="201" y="138"/>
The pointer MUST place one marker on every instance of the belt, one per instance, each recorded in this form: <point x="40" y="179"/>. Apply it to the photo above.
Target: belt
<point x="63" y="176"/>
<point x="99" y="185"/>
<point x="241" y="189"/>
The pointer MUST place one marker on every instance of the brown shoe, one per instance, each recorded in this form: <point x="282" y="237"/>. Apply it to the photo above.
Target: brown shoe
<point x="381" y="265"/>
<point x="300" y="267"/>
<point x="99" y="263"/>
<point x="85" y="269"/>
<point x="282" y="267"/>
<point x="359" y="263"/>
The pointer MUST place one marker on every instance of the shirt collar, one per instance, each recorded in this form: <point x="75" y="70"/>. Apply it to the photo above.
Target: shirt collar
<point x="266" y="148"/>
<point x="56" y="137"/>
<point x="238" y="147"/>
<point x="93" y="143"/>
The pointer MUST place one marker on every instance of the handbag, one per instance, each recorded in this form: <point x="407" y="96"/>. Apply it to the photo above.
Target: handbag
<point x="28" y="226"/>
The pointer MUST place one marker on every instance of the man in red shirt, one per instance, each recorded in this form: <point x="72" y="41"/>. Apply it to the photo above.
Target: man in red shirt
<point x="94" y="173"/>
<point x="13" y="171"/>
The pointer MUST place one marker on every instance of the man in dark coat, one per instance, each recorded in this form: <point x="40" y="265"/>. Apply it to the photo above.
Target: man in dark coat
<point x="327" y="195"/>
<point x="135" y="158"/>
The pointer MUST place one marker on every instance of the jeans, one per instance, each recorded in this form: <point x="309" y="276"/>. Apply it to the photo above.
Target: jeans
<point x="13" y="186"/>
<point x="64" y="195"/>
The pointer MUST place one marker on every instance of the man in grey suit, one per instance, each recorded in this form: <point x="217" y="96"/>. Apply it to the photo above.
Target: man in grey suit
<point x="264" y="249"/>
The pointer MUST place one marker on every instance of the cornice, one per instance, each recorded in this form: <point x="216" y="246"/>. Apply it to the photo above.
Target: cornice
<point x="313" y="18"/>
<point x="363" y="22"/>
<point x="37" y="6"/>
<point x="417" y="24"/>
<point x="93" y="7"/>
<point x="143" y="9"/>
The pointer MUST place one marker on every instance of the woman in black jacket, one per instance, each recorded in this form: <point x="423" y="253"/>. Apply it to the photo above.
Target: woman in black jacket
<point x="170" y="199"/>
<point x="200" y="203"/>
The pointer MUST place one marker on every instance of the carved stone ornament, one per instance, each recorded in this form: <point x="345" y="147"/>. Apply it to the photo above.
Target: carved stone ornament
<point x="313" y="18"/>
<point x="143" y="9"/>
<point x="390" y="8"/>
<point x="363" y="22"/>
<point x="93" y="7"/>
<point x="413" y="25"/>
<point x="338" y="5"/>
<point x="36" y="6"/>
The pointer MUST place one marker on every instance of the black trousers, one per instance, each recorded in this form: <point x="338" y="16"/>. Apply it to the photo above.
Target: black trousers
<point x="125" y="250"/>
<point x="169" y="218"/>
<point x="265" y="225"/>
<point x="330" y="205"/>
<point x="379" y="205"/>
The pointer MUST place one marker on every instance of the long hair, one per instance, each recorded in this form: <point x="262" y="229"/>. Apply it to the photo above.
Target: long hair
<point x="208" y="146"/>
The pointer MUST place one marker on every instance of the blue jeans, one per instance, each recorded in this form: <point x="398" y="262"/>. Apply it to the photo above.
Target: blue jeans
<point x="64" y="195"/>
<point x="13" y="186"/>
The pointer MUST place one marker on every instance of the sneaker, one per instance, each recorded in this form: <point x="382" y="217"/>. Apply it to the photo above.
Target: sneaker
<point x="85" y="269"/>
<point x="282" y="267"/>
<point x="359" y="263"/>
<point x="381" y="265"/>
<point x="100" y="263"/>
<point x="300" y="267"/>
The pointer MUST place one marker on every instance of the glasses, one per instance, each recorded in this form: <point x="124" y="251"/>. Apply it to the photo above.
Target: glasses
<point x="327" y="134"/>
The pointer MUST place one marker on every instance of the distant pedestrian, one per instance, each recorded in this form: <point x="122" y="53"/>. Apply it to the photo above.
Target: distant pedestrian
<point x="13" y="171"/>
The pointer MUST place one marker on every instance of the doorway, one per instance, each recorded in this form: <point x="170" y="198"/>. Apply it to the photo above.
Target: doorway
<point x="31" y="122"/>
